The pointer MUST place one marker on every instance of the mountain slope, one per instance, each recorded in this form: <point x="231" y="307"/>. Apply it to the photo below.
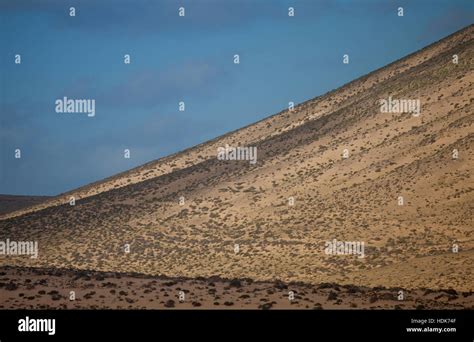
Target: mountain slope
<point x="299" y="156"/>
<point x="273" y="125"/>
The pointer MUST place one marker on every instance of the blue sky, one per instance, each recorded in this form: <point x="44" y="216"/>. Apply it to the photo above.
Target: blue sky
<point x="176" y="58"/>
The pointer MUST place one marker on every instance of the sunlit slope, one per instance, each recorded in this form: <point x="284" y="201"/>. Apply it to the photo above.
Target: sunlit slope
<point x="300" y="155"/>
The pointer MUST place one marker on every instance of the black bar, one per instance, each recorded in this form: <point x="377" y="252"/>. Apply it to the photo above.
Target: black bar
<point x="244" y="325"/>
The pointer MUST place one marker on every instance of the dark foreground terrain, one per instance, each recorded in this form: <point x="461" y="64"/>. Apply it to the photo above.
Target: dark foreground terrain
<point x="11" y="203"/>
<point x="24" y="288"/>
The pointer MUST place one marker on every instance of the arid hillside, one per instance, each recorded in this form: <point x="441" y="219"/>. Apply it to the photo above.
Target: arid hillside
<point x="334" y="167"/>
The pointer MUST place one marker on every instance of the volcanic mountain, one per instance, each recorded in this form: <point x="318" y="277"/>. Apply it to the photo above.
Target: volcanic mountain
<point x="336" y="167"/>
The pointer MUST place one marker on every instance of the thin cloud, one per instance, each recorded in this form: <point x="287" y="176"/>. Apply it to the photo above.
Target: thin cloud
<point x="150" y="87"/>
